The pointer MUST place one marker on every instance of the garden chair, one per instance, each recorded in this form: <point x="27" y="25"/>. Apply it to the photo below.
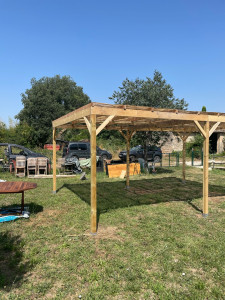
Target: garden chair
<point x="31" y="165"/>
<point x="42" y="165"/>
<point x="60" y="165"/>
<point x="20" y="166"/>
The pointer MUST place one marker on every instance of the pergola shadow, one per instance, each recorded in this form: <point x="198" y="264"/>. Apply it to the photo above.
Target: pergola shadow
<point x="113" y="195"/>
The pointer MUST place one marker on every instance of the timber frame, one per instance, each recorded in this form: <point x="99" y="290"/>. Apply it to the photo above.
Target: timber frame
<point x="129" y="119"/>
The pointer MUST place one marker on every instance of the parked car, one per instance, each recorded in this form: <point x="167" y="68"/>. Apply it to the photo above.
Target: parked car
<point x="11" y="151"/>
<point x="82" y="150"/>
<point x="153" y="154"/>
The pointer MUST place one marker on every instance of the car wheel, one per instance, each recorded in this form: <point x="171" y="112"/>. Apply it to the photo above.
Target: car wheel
<point x="132" y="158"/>
<point x="157" y="159"/>
<point x="104" y="157"/>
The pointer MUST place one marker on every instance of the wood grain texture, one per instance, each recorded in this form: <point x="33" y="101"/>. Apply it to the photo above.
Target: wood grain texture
<point x="16" y="186"/>
<point x="54" y="160"/>
<point x="93" y="176"/>
<point x="206" y="170"/>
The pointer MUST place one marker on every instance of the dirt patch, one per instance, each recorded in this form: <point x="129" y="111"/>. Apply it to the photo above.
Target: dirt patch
<point x="52" y="293"/>
<point x="109" y="233"/>
<point x="44" y="218"/>
<point x="217" y="199"/>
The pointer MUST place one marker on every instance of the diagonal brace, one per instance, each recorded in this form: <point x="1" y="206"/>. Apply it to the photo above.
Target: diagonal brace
<point x="213" y="128"/>
<point x="105" y="123"/>
<point x="88" y="124"/>
<point x="101" y="127"/>
<point x="200" y="128"/>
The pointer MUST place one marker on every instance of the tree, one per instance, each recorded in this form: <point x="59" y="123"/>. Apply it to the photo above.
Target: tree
<point x="2" y="132"/>
<point x="203" y="108"/>
<point x="154" y="92"/>
<point x="48" y="99"/>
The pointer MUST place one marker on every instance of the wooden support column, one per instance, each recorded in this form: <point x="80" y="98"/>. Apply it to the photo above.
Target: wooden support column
<point x="184" y="138"/>
<point x="128" y="139"/>
<point x="128" y="163"/>
<point x="206" y="170"/>
<point x="184" y="160"/>
<point x="54" y="160"/>
<point x="93" y="176"/>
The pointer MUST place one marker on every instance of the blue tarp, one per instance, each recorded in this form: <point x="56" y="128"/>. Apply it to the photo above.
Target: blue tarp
<point x="12" y="214"/>
<point x="8" y="218"/>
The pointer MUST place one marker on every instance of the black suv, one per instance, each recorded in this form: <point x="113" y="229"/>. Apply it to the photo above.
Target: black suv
<point x="153" y="153"/>
<point x="82" y="150"/>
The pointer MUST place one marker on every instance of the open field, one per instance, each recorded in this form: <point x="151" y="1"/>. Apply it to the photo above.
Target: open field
<point x="152" y="241"/>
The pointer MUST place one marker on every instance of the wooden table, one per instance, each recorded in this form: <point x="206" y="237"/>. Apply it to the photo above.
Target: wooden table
<point x="10" y="187"/>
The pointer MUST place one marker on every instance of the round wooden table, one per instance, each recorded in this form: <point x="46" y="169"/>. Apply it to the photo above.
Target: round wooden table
<point x="11" y="187"/>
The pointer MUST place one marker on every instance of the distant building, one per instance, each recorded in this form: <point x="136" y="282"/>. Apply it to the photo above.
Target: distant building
<point x="217" y="142"/>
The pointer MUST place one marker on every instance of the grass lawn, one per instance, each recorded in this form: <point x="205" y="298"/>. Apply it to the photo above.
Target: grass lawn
<point x="152" y="241"/>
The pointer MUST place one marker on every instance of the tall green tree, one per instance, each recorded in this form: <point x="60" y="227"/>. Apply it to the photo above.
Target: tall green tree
<point x="155" y="92"/>
<point x="48" y="99"/>
<point x="2" y="132"/>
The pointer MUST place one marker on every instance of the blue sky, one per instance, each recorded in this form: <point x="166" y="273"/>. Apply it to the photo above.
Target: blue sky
<point x="100" y="43"/>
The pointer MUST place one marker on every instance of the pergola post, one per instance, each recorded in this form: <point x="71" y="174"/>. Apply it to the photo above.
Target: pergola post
<point x="128" y="139"/>
<point x="184" y="138"/>
<point x="93" y="176"/>
<point x="184" y="160"/>
<point x="128" y="162"/>
<point x="206" y="170"/>
<point x="54" y="160"/>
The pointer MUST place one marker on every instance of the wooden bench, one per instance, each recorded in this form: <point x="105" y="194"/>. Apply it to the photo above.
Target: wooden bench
<point x="215" y="163"/>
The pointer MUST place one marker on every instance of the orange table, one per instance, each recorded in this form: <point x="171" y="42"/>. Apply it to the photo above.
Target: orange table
<point x="10" y="187"/>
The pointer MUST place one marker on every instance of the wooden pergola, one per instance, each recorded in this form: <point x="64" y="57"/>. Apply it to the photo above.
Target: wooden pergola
<point x="129" y="119"/>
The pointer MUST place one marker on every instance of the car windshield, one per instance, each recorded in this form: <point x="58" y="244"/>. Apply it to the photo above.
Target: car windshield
<point x="136" y="148"/>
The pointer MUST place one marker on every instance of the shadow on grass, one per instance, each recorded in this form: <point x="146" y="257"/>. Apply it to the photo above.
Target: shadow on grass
<point x="12" y="269"/>
<point x="33" y="208"/>
<point x="113" y="195"/>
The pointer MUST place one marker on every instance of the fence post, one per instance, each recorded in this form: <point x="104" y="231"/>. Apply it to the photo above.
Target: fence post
<point x="192" y="158"/>
<point x="178" y="156"/>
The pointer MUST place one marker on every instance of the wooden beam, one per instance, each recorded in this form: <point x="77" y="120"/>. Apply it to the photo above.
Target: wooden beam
<point x="102" y="126"/>
<point x="206" y="171"/>
<point x="155" y="114"/>
<point x="171" y="129"/>
<point x="88" y="124"/>
<point x="200" y="128"/>
<point x="54" y="159"/>
<point x="79" y="113"/>
<point x="93" y="176"/>
<point x="213" y="128"/>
